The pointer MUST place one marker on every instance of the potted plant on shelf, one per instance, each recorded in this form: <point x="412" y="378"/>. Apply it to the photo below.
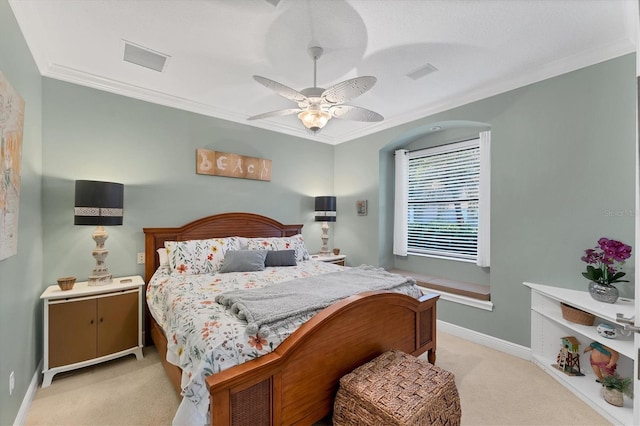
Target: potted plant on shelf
<point x="615" y="387"/>
<point x="608" y="257"/>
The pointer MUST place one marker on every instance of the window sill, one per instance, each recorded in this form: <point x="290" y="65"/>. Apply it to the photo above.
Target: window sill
<point x="475" y="295"/>
<point x="463" y="300"/>
<point x="440" y="256"/>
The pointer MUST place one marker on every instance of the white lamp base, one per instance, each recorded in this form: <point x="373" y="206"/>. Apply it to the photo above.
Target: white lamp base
<point x="100" y="279"/>
<point x="324" y="251"/>
<point x="100" y="274"/>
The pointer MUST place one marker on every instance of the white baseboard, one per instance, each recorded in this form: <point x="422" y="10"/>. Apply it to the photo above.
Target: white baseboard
<point x="485" y="340"/>
<point x="23" y="412"/>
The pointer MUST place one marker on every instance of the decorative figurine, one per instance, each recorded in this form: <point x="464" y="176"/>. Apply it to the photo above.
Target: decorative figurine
<point x="603" y="360"/>
<point x="606" y="330"/>
<point x="568" y="360"/>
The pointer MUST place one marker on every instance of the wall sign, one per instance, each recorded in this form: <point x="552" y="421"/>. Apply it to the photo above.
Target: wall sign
<point x="218" y="163"/>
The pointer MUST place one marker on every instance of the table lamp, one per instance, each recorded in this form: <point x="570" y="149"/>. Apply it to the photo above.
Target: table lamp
<point x="325" y="212"/>
<point x="100" y="204"/>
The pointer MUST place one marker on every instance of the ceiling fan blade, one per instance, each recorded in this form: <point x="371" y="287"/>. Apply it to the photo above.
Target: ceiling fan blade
<point x="350" y="112"/>
<point x="348" y="89"/>
<point x="278" y="113"/>
<point x="280" y="89"/>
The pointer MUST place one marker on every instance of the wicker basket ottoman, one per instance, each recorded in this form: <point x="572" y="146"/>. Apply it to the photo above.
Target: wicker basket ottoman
<point x="397" y="389"/>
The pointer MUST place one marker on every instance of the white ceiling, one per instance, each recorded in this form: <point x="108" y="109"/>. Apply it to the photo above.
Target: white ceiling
<point x="479" y="47"/>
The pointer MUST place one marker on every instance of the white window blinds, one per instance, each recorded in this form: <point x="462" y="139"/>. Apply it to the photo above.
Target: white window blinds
<point x="443" y="200"/>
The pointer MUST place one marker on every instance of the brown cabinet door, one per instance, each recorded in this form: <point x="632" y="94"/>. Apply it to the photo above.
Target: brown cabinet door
<point x="72" y="332"/>
<point x="117" y="323"/>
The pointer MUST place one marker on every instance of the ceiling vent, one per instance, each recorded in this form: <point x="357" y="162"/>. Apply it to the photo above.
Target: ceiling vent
<point x="144" y="57"/>
<point x="422" y="71"/>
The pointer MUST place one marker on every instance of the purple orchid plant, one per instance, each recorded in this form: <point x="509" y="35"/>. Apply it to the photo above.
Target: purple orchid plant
<point x="608" y="256"/>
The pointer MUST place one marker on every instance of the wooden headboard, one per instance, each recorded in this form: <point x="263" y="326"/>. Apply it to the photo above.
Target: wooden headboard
<point x="248" y="225"/>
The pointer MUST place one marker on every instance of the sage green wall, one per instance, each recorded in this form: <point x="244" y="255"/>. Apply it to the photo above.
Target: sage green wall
<point x="563" y="174"/>
<point x="21" y="275"/>
<point x="151" y="149"/>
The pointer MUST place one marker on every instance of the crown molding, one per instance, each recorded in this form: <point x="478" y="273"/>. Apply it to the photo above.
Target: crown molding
<point x="553" y="69"/>
<point x="550" y="70"/>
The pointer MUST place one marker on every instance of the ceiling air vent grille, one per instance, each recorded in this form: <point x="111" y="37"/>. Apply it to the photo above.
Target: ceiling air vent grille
<point x="422" y="71"/>
<point x="144" y="57"/>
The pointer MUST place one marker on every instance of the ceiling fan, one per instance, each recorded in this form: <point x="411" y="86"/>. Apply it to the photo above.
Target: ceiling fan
<point x="317" y="105"/>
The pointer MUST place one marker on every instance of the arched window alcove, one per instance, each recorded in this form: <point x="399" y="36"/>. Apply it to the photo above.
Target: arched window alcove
<point x="427" y="136"/>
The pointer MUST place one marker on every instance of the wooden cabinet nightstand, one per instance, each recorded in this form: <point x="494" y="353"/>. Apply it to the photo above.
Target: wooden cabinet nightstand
<point x="91" y="324"/>
<point x="332" y="258"/>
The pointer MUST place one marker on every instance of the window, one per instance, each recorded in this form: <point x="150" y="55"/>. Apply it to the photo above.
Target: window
<point x="442" y="201"/>
<point x="443" y="195"/>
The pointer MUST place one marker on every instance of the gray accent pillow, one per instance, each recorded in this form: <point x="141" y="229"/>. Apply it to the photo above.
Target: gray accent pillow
<point x="281" y="258"/>
<point x="243" y="261"/>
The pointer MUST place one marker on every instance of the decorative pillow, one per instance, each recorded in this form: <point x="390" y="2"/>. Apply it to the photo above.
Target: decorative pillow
<point x="243" y="261"/>
<point x="295" y="242"/>
<point x="198" y="256"/>
<point x="280" y="258"/>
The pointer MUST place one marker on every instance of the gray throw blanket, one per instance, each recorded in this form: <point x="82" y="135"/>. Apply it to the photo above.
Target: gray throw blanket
<point x="266" y="308"/>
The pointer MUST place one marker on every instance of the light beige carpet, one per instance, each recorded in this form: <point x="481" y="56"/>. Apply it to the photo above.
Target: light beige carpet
<point x="120" y="392"/>
<point x="500" y="389"/>
<point x="495" y="389"/>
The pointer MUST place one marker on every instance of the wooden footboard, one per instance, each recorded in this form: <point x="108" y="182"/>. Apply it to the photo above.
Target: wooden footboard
<point x="296" y="384"/>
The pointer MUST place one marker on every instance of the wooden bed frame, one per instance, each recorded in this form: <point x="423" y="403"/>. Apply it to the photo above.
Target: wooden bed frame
<point x="296" y="384"/>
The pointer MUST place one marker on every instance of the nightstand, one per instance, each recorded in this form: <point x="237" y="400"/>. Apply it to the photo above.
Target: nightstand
<point x="91" y="324"/>
<point x="332" y="258"/>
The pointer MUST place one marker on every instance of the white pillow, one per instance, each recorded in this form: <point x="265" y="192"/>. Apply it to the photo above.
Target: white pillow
<point x="163" y="257"/>
<point x="243" y="242"/>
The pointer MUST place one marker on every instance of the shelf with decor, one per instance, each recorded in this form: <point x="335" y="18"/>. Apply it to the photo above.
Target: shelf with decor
<point x="548" y="327"/>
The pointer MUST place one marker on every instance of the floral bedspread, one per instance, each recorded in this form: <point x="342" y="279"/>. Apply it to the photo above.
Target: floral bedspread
<point x="202" y="336"/>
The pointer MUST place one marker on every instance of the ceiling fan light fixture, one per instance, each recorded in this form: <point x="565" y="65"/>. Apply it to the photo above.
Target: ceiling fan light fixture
<point x="317" y="105"/>
<point x="314" y="119"/>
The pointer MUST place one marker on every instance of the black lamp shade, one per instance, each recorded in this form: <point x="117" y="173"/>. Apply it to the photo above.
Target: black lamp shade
<point x="325" y="209"/>
<point x="98" y="203"/>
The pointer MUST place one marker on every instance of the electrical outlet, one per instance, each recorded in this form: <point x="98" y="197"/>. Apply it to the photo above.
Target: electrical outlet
<point x="140" y="258"/>
<point x="12" y="382"/>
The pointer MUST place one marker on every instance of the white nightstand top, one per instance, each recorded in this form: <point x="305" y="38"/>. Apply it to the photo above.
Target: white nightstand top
<point x="84" y="289"/>
<point x="329" y="258"/>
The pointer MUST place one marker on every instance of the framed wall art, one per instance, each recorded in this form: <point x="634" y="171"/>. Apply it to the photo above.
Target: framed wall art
<point x="361" y="207"/>
<point x="11" y="128"/>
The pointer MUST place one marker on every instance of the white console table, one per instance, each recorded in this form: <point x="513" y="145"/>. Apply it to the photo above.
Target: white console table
<point x="548" y="327"/>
